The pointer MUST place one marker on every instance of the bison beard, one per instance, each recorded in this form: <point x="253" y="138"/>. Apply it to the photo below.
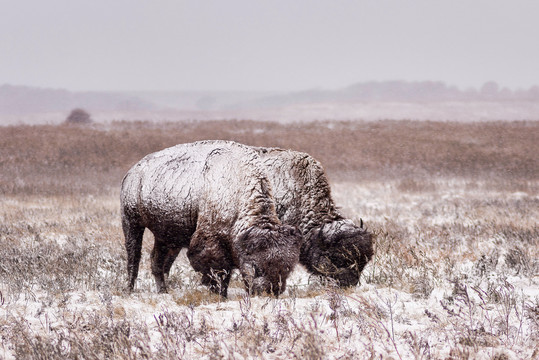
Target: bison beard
<point x="213" y="198"/>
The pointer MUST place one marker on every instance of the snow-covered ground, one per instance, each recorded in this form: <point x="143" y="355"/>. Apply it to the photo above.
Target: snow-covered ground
<point x="455" y="275"/>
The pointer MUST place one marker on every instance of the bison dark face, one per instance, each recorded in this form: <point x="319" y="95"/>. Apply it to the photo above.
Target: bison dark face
<point x="340" y="251"/>
<point x="269" y="255"/>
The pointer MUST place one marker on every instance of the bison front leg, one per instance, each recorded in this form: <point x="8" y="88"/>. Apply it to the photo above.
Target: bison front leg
<point x="217" y="281"/>
<point x="207" y="256"/>
<point x="159" y="255"/>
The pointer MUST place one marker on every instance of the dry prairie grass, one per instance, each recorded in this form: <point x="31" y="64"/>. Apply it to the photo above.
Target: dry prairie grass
<point x="47" y="160"/>
<point x="455" y="274"/>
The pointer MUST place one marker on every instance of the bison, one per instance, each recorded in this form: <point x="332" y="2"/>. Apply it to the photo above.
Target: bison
<point x="332" y="245"/>
<point x="214" y="198"/>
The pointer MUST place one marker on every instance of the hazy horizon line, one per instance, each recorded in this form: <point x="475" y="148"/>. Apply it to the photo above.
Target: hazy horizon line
<point x="283" y="90"/>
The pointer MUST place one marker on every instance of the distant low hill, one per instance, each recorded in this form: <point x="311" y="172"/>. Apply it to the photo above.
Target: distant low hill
<point x="426" y="100"/>
<point x="395" y="91"/>
<point x="24" y="100"/>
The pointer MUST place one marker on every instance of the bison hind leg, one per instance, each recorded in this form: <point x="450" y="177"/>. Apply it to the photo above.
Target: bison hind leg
<point x="133" y="233"/>
<point x="172" y="254"/>
<point x="160" y="258"/>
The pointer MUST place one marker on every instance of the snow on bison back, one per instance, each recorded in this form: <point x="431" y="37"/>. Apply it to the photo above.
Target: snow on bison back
<point x="213" y="198"/>
<point x="332" y="246"/>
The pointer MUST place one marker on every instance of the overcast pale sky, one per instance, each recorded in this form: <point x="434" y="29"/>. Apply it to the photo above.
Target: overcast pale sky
<point x="266" y="44"/>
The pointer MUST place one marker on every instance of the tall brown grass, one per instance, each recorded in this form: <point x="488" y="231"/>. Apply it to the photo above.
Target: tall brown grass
<point x="65" y="159"/>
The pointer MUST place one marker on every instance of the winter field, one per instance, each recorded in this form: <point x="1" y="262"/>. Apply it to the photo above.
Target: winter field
<point x="454" y="206"/>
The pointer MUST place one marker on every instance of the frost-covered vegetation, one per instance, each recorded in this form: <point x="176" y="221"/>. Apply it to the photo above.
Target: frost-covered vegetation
<point x="455" y="274"/>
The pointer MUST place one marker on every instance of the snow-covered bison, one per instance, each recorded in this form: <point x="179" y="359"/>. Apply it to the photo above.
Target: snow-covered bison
<point x="332" y="245"/>
<point x="214" y="198"/>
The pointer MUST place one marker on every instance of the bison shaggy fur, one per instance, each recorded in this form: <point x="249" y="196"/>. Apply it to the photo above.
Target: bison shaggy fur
<point x="332" y="245"/>
<point x="214" y="198"/>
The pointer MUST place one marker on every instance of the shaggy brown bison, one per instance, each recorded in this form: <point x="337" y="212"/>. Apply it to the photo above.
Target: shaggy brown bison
<point x="214" y="198"/>
<point x="332" y="245"/>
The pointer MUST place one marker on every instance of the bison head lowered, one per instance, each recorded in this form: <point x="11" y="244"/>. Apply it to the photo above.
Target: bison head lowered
<point x="269" y="254"/>
<point x="339" y="250"/>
